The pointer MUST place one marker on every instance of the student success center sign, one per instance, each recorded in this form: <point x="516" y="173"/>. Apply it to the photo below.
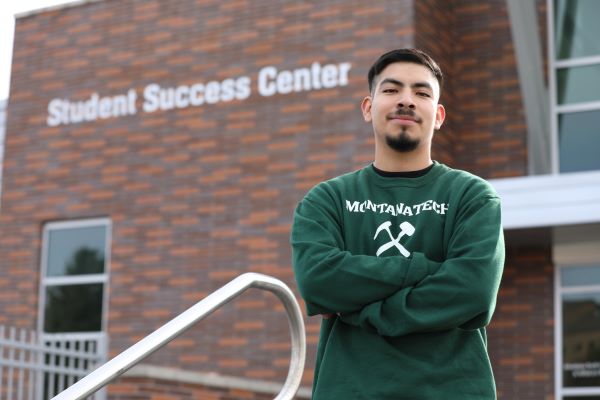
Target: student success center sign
<point x="269" y="81"/>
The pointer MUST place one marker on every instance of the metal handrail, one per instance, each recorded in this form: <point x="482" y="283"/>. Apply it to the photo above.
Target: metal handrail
<point x="163" y="335"/>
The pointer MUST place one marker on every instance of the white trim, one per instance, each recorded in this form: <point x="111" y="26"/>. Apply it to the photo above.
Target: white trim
<point x="577" y="107"/>
<point x="73" y="336"/>
<point x="584" y="392"/>
<point x="56" y="7"/>
<point x="552" y="88"/>
<point x="579" y="289"/>
<point x="558" y="345"/>
<point x="77" y="223"/>
<point x="209" y="379"/>
<point x="577" y="62"/>
<point x="549" y="200"/>
<point x="75" y="279"/>
<point x="42" y="286"/>
<point x="105" y="302"/>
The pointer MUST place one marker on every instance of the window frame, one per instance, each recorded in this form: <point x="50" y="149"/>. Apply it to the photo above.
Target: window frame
<point x="76" y="279"/>
<point x="555" y="109"/>
<point x="559" y="290"/>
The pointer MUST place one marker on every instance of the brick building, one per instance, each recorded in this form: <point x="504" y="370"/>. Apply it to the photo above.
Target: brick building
<point x="2" y="128"/>
<point x="156" y="150"/>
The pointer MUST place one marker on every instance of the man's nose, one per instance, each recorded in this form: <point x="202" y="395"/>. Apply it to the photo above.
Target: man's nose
<point x="405" y="100"/>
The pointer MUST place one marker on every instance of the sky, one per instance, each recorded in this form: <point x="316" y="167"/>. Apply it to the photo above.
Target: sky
<point x="8" y="8"/>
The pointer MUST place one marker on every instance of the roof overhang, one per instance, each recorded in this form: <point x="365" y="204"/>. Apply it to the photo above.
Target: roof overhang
<point x="57" y="6"/>
<point x="549" y="200"/>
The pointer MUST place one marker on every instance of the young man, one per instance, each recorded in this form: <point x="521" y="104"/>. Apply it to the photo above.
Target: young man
<point x="402" y="258"/>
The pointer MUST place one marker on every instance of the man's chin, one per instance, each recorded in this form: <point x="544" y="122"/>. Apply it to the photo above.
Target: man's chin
<point x="402" y="143"/>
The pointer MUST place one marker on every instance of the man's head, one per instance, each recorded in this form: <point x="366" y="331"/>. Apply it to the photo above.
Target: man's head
<point x="404" y="55"/>
<point x="403" y="106"/>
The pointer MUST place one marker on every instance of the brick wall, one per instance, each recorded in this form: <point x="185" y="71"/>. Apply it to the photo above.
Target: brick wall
<point x="521" y="335"/>
<point x="196" y="195"/>
<point x="153" y="389"/>
<point x="490" y="124"/>
<point x="201" y="194"/>
<point x="435" y="34"/>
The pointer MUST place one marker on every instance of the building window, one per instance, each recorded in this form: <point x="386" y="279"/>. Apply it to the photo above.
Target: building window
<point x="73" y="293"/>
<point x="578" y="332"/>
<point x="575" y="83"/>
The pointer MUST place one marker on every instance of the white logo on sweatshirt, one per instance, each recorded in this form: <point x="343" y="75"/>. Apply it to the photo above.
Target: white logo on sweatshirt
<point x="397" y="209"/>
<point x="406" y="229"/>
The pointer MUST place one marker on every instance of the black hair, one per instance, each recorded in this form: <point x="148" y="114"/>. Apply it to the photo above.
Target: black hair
<point x="404" y="55"/>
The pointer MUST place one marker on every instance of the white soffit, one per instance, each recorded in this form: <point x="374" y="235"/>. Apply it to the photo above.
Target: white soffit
<point x="59" y="6"/>
<point x="549" y="200"/>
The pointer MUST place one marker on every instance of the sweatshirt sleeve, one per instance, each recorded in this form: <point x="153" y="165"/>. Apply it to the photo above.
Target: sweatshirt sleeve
<point x="461" y="294"/>
<point x="331" y="279"/>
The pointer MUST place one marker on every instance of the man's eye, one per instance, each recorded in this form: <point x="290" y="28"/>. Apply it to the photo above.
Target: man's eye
<point x="424" y="94"/>
<point x="389" y="90"/>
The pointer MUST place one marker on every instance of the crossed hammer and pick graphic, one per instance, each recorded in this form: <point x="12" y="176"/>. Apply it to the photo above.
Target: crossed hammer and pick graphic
<point x="406" y="228"/>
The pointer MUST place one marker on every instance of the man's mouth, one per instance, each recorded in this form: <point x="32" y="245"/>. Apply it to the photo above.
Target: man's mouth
<point x="404" y="118"/>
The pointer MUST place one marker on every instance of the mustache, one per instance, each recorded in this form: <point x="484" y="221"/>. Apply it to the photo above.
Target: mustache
<point x="405" y="113"/>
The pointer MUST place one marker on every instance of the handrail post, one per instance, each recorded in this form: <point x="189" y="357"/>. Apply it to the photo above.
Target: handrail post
<point x="163" y="335"/>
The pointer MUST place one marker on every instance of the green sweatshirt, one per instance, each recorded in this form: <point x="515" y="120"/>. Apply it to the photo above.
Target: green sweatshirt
<point x="410" y="268"/>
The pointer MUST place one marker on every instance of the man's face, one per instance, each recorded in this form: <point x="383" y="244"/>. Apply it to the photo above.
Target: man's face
<point x="403" y="107"/>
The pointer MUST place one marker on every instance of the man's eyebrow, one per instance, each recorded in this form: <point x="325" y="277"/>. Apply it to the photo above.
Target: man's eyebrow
<point x="392" y="81"/>
<point x="425" y="85"/>
<point x="396" y="82"/>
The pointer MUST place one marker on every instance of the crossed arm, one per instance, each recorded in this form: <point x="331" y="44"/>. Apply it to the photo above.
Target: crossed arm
<point x="395" y="296"/>
<point x="332" y="280"/>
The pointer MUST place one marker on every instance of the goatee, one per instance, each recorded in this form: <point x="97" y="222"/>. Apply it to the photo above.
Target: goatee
<point x="402" y="143"/>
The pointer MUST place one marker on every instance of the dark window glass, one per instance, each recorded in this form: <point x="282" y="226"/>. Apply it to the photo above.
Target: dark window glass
<point x="578" y="84"/>
<point x="76" y="251"/>
<point x="579" y="141"/>
<point x="582" y="398"/>
<point x="581" y="340"/>
<point x="73" y="308"/>
<point x="576" y="28"/>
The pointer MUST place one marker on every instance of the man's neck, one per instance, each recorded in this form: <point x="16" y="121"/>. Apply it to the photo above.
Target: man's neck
<point x="402" y="162"/>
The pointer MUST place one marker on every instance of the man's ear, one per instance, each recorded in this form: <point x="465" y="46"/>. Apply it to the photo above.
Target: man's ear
<point x="440" y="116"/>
<point x="365" y="107"/>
